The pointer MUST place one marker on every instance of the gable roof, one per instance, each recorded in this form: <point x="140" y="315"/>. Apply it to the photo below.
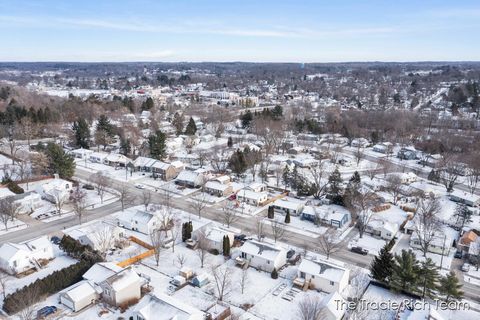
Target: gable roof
<point x="101" y="271"/>
<point x="263" y="250"/>
<point x="123" y="279"/>
<point x="323" y="269"/>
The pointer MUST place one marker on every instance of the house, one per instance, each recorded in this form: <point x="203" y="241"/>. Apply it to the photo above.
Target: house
<point x="335" y="218"/>
<point x="79" y="296"/>
<point x="440" y="244"/>
<point x="251" y="197"/>
<point x="332" y="307"/>
<point x="222" y="179"/>
<point x="407" y="177"/>
<point x="407" y="154"/>
<point x="141" y="221"/>
<point x="213" y="235"/>
<point x="218" y="189"/>
<point x="116" y="160"/>
<point x="81" y="153"/>
<point x="467" y="198"/>
<point x="28" y="202"/>
<point x="360" y="143"/>
<point x="101" y="271"/>
<point x="291" y="207"/>
<point x="257" y="187"/>
<point x="164" y="171"/>
<point x="466" y="240"/>
<point x="305" y="162"/>
<point x="382" y="228"/>
<point x="19" y="258"/>
<point x="55" y="191"/>
<point x="143" y="164"/>
<point x="385" y="147"/>
<point x="97" y="157"/>
<point x="200" y="280"/>
<point x="263" y="256"/>
<point x="122" y="287"/>
<point x="96" y="234"/>
<point x="190" y="179"/>
<point x="322" y="275"/>
<point x="162" y="307"/>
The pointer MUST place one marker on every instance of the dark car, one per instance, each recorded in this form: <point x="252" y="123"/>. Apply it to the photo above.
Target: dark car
<point x="290" y="253"/>
<point x="88" y="187"/>
<point x="55" y="240"/>
<point x="46" y="311"/>
<point x="458" y="254"/>
<point x="240" y="237"/>
<point x="359" y="250"/>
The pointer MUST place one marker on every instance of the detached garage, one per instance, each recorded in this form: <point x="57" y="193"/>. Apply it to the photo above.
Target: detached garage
<point x="79" y="296"/>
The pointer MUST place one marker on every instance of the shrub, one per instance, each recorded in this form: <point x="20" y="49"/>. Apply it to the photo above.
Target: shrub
<point x="274" y="273"/>
<point x="215" y="252"/>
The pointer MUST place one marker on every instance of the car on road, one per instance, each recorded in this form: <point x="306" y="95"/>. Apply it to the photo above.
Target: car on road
<point x="88" y="187"/>
<point x="465" y="267"/>
<point x="458" y="254"/>
<point x="359" y="250"/>
<point x="139" y="186"/>
<point x="46" y="311"/>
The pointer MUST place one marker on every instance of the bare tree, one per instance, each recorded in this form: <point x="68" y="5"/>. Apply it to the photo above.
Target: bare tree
<point x="426" y="224"/>
<point x="222" y="277"/>
<point x="328" y="242"/>
<point x="146" y="198"/>
<point x="175" y="231"/>
<point x="320" y="179"/>
<point x="259" y="228"/>
<point x="181" y="259"/>
<point x="473" y="172"/>
<point x="9" y="210"/>
<point x="101" y="182"/>
<point x="126" y="198"/>
<point x="360" y="205"/>
<point x="385" y="166"/>
<point x="60" y="199"/>
<point x="310" y="308"/>
<point x="394" y="186"/>
<point x="243" y="279"/>
<point x="199" y="203"/>
<point x="78" y="198"/>
<point x="157" y="240"/>
<point x="278" y="229"/>
<point x="359" y="154"/>
<point x="203" y="247"/>
<point x="449" y="173"/>
<point x="229" y="215"/>
<point x="104" y="240"/>
<point x="4" y="283"/>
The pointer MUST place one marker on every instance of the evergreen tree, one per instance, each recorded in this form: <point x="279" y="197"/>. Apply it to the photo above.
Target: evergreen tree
<point x="230" y="142"/>
<point x="428" y="278"/>
<point x="286" y="176"/>
<point x="237" y="162"/>
<point x="405" y="272"/>
<point x="355" y="178"/>
<point x="274" y="274"/>
<point x="246" y="118"/>
<point x="125" y="146"/>
<point x="335" y="189"/>
<point x="271" y="212"/>
<point x="382" y="265"/>
<point x="177" y="122"/>
<point x="148" y="104"/>
<point x="81" y="131"/>
<point x="191" y="127"/>
<point x="450" y="287"/>
<point x="103" y="123"/>
<point x="59" y="161"/>
<point x="434" y="175"/>
<point x="226" y="246"/>
<point x="287" y="217"/>
<point x="156" y="144"/>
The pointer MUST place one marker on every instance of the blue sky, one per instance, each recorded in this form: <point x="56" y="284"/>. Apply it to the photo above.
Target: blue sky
<point x="241" y="30"/>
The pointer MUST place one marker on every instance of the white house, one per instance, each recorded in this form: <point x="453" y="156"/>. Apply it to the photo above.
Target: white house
<point x="143" y="164"/>
<point x="122" y="287"/>
<point x="162" y="307"/>
<point x="322" y="275"/>
<point x="257" y="187"/>
<point x="441" y="242"/>
<point x="408" y="177"/>
<point x="79" y="296"/>
<point x="141" y="221"/>
<point x="263" y="256"/>
<point x="467" y="198"/>
<point x="56" y="190"/>
<point x="385" y="147"/>
<point x="214" y="236"/>
<point x="251" y="197"/>
<point x="218" y="189"/>
<point x="28" y="202"/>
<point x="360" y="142"/>
<point x="190" y="179"/>
<point x="116" y="160"/>
<point x="97" y="157"/>
<point x="18" y="258"/>
<point x="283" y="206"/>
<point x="336" y="218"/>
<point x="81" y="153"/>
<point x="97" y="235"/>
<point x="382" y="228"/>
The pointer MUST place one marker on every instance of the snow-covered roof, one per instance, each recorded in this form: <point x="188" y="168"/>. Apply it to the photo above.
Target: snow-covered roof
<point x="39" y="243"/>
<point x="117" y="157"/>
<point x="143" y="217"/>
<point x="163" y="307"/>
<point x="459" y="194"/>
<point x="5" y="192"/>
<point x="101" y="271"/>
<point x="144" y="162"/>
<point x="323" y="269"/>
<point x="249" y="194"/>
<point x="80" y="291"/>
<point x="215" y="185"/>
<point x="261" y="249"/>
<point x="161" y="165"/>
<point x="187" y="175"/>
<point x="123" y="279"/>
<point x="288" y="204"/>
<point x="331" y="303"/>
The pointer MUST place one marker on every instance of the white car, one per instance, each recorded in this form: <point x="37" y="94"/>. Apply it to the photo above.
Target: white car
<point x="466" y="267"/>
<point x="139" y="186"/>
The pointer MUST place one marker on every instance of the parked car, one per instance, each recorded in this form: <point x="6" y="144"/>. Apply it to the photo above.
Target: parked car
<point x="458" y="254"/>
<point x="46" y="311"/>
<point x="359" y="250"/>
<point x="240" y="237"/>
<point x="466" y="267"/>
<point x="88" y="187"/>
<point x="55" y="240"/>
<point x="290" y="253"/>
<point x="139" y="186"/>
